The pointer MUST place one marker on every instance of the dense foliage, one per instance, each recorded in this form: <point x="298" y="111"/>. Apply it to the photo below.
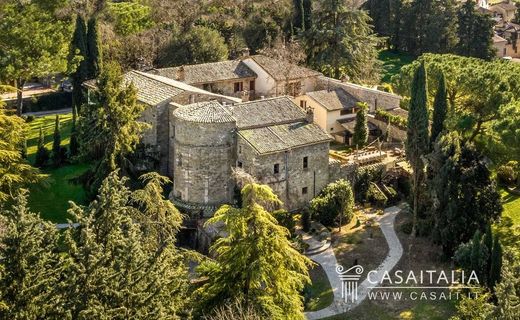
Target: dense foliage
<point x="334" y="205"/>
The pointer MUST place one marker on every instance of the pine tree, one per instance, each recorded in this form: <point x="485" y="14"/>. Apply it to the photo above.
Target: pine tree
<point x="73" y="144"/>
<point x="94" y="53"/>
<point x="42" y="154"/>
<point x="417" y="134"/>
<point x="440" y="109"/>
<point x="78" y="50"/>
<point x="255" y="262"/>
<point x="56" y="154"/>
<point x="360" y="137"/>
<point x="30" y="267"/>
<point x="115" y="273"/>
<point x="496" y="263"/>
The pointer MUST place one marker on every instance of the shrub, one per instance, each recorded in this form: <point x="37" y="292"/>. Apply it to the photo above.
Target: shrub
<point x="375" y="196"/>
<point x="29" y="118"/>
<point x="51" y="101"/>
<point x="391" y="118"/>
<point x="306" y="220"/>
<point x="335" y="202"/>
<point x="507" y="174"/>
<point x="42" y="156"/>
<point x="285" y="219"/>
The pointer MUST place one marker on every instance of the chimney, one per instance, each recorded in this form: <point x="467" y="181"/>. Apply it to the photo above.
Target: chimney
<point x="309" y="115"/>
<point x="180" y="76"/>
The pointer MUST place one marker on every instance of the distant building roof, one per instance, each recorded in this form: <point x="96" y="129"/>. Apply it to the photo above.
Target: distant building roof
<point x="204" y="112"/>
<point x="154" y="89"/>
<point x="207" y="72"/>
<point x="505" y="5"/>
<point x="283" y="137"/>
<point x="336" y="99"/>
<point x="283" y="70"/>
<point x="398" y="112"/>
<point x="265" y="112"/>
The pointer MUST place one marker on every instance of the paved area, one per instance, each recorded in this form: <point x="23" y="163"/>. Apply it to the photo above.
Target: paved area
<point x="49" y="112"/>
<point x="327" y="260"/>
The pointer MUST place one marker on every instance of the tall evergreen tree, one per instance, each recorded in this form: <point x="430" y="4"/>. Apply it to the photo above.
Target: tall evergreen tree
<point x="417" y="135"/>
<point x="56" y="143"/>
<point x="42" y="154"/>
<point x="94" y="51"/>
<point x="360" y="137"/>
<point x="114" y="272"/>
<point x="78" y="51"/>
<point x="299" y="15"/>
<point x="440" y="109"/>
<point x="109" y="130"/>
<point x="30" y="267"/>
<point x="307" y="14"/>
<point x="496" y="263"/>
<point x="380" y="12"/>
<point x="255" y="262"/>
<point x="342" y="43"/>
<point x="73" y="144"/>
<point x="507" y="291"/>
<point x="475" y="32"/>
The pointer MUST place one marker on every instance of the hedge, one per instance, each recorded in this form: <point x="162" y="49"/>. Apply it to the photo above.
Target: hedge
<point x="46" y="102"/>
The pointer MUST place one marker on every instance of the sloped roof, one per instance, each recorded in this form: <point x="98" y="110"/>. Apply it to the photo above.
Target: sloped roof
<point x="497" y="38"/>
<point x="505" y="5"/>
<point x="265" y="112"/>
<point x="336" y="99"/>
<point x="208" y="72"/>
<point x="282" y="70"/>
<point x="154" y="89"/>
<point x="204" y="112"/>
<point x="283" y="137"/>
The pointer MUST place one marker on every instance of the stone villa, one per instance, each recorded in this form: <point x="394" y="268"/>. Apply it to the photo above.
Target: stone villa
<point x="256" y="113"/>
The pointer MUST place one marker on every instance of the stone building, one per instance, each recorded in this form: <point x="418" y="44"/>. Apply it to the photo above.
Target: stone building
<point x="271" y="139"/>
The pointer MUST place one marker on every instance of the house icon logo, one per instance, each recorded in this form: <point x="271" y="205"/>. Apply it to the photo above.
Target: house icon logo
<point x="349" y="281"/>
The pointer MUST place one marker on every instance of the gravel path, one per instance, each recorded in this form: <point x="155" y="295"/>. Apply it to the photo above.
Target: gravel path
<point x="328" y="261"/>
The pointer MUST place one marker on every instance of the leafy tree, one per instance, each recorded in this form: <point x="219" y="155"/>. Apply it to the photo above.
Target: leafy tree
<point x="199" y="45"/>
<point x="78" y="50"/>
<point x="42" y="154"/>
<point x="464" y="197"/>
<point x="15" y="171"/>
<point x="380" y="11"/>
<point x="507" y="127"/>
<point x="34" y="41"/>
<point x="30" y="268"/>
<point x="130" y="17"/>
<point x="255" y="262"/>
<point x="94" y="52"/>
<point x="73" y="144"/>
<point x="440" y="109"/>
<point x="360" y="137"/>
<point x="109" y="130"/>
<point x="342" y="44"/>
<point x="113" y="271"/>
<point x="475" y="32"/>
<point x="417" y="135"/>
<point x="508" y="290"/>
<point x="56" y="143"/>
<point x="334" y="203"/>
<point x="476" y="306"/>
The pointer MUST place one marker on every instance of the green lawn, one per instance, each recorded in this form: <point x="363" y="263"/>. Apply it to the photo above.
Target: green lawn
<point x="511" y="205"/>
<point x="319" y="292"/>
<point x="392" y="63"/>
<point x="52" y="201"/>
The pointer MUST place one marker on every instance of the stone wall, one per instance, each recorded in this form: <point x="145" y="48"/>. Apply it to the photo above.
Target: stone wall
<point x="292" y="178"/>
<point x="374" y="98"/>
<point x="203" y="155"/>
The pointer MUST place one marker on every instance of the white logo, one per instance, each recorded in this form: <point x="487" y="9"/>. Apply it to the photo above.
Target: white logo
<point x="349" y="282"/>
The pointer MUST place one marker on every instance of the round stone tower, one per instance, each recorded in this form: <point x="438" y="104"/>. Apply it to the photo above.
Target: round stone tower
<point x="203" y="154"/>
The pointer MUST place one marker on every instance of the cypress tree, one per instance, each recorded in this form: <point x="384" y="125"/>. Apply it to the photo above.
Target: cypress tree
<point x="79" y="50"/>
<point x="73" y="145"/>
<point x="487" y="242"/>
<point x="94" y="53"/>
<point x="307" y="14"/>
<point x="360" y="136"/>
<point x="42" y="154"/>
<point x="299" y="15"/>
<point x="440" y="108"/>
<point x="496" y="263"/>
<point x="417" y="143"/>
<point x="56" y="143"/>
<point x="476" y="254"/>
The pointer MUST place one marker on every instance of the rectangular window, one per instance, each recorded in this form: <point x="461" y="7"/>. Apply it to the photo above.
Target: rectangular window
<point x="252" y="85"/>
<point x="239" y="164"/>
<point x="239" y="149"/>
<point x="238" y="86"/>
<point x="305" y="162"/>
<point x="304" y="190"/>
<point x="276" y="168"/>
<point x="303" y="104"/>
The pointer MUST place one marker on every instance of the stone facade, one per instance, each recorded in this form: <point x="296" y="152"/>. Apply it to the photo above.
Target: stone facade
<point x="294" y="184"/>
